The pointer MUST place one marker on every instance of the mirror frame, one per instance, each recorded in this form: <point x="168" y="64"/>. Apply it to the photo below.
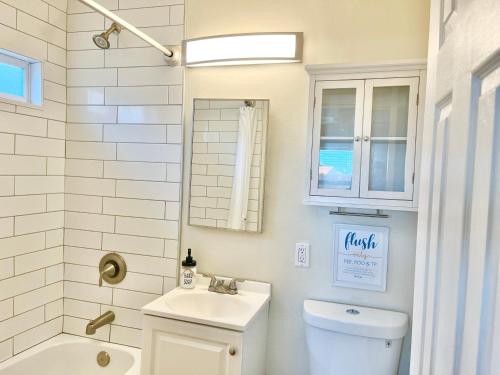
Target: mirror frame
<point x="263" y="171"/>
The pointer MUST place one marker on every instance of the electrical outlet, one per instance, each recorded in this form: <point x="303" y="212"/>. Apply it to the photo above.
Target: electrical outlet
<point x="302" y="254"/>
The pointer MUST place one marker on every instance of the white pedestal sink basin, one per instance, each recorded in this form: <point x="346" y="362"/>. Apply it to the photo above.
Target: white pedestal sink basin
<point x="198" y="305"/>
<point x="209" y="305"/>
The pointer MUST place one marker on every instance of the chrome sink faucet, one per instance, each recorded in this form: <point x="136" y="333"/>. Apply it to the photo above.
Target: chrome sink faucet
<point x="219" y="286"/>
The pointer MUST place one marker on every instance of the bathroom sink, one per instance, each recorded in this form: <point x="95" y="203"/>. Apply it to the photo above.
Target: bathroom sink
<point x="208" y="304"/>
<point x="200" y="306"/>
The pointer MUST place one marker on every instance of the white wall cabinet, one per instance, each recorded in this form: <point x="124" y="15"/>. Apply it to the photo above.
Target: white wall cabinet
<point x="364" y="135"/>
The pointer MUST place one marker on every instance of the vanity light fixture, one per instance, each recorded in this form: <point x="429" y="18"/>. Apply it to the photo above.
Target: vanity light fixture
<point x="243" y="49"/>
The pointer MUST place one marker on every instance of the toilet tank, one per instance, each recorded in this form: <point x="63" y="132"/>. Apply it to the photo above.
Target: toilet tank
<point x="353" y="340"/>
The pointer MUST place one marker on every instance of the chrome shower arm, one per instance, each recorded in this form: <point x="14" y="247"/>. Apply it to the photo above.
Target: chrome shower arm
<point x="169" y="53"/>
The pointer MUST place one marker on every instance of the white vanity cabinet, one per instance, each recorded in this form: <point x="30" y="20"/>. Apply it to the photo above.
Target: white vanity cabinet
<point x="177" y="347"/>
<point x="201" y="332"/>
<point x="364" y="135"/>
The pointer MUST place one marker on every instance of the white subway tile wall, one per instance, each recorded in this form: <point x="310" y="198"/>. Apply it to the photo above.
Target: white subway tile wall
<point x="123" y="162"/>
<point x="32" y="157"/>
<point x="215" y="140"/>
<point x="107" y="180"/>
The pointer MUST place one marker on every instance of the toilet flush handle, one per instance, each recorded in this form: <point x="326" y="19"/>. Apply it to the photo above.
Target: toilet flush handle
<point x="352" y="311"/>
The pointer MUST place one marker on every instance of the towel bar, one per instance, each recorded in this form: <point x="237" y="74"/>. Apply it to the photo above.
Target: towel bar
<point x="340" y="212"/>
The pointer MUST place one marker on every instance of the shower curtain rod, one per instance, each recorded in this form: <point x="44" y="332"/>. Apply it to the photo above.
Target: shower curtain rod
<point x="169" y="53"/>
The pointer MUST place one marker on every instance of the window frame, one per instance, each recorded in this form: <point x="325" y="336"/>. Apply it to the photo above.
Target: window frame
<point x="33" y="80"/>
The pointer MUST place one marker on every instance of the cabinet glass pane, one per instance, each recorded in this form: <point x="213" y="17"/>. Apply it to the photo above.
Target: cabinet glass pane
<point x="390" y="111"/>
<point x="337" y="112"/>
<point x="335" y="165"/>
<point x="387" y="166"/>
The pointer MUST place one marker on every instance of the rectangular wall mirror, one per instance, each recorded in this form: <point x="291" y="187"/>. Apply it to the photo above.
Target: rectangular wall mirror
<point x="228" y="163"/>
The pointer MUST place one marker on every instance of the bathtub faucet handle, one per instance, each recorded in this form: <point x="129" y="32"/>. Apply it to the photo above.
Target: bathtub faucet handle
<point x="112" y="269"/>
<point x="108" y="270"/>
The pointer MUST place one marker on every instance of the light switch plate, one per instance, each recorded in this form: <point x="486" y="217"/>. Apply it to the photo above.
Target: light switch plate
<point x="302" y="254"/>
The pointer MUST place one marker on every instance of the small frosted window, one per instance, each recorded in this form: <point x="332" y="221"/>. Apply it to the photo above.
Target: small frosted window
<point x="12" y="80"/>
<point x="20" y="78"/>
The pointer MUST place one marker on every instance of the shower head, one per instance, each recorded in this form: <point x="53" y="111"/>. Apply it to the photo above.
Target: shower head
<point x="172" y="54"/>
<point x="102" y="40"/>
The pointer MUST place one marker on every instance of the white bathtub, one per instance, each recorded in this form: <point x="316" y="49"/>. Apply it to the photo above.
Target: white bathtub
<point x="66" y="354"/>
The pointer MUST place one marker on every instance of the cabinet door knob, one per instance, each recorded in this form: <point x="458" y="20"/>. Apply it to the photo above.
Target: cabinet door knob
<point x="357" y="138"/>
<point x="232" y="351"/>
<point x="366" y="138"/>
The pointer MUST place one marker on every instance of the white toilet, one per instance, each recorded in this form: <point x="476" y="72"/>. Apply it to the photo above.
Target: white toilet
<point x="352" y="340"/>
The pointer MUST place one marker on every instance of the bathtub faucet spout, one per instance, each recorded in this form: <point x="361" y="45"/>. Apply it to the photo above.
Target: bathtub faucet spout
<point x="100" y="321"/>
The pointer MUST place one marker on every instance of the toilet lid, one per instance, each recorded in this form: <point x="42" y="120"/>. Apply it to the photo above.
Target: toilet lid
<point x="355" y="320"/>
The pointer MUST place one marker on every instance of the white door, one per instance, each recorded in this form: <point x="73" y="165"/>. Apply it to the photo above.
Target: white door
<point x="338" y="126"/>
<point x="456" y="325"/>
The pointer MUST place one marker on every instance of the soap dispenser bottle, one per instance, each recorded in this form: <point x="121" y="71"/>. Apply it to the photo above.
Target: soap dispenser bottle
<point x="188" y="272"/>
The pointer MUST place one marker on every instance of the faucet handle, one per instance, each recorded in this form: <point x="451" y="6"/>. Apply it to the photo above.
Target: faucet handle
<point x="213" y="279"/>
<point x="232" y="283"/>
<point x="108" y="270"/>
<point x="112" y="269"/>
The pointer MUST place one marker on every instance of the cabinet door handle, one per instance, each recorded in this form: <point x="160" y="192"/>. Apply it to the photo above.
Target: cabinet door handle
<point x="232" y="351"/>
<point x="357" y="138"/>
<point x="366" y="138"/>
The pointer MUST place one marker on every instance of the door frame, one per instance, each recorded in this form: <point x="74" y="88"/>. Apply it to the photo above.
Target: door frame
<point x="420" y="308"/>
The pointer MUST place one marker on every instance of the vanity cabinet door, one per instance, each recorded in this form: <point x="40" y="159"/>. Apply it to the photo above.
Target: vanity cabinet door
<point x="174" y="347"/>
<point x="336" y="153"/>
<point x="389" y="135"/>
<point x="186" y="355"/>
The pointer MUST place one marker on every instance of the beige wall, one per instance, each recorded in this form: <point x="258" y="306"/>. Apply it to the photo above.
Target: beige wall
<point x="341" y="31"/>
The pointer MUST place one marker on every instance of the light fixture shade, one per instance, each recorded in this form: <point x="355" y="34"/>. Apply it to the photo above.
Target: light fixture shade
<point x="243" y="49"/>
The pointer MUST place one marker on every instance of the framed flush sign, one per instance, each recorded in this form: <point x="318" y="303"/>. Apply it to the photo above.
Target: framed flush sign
<point x="360" y="256"/>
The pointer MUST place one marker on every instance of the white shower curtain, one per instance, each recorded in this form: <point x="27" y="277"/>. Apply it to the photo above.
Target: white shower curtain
<point x="241" y="181"/>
